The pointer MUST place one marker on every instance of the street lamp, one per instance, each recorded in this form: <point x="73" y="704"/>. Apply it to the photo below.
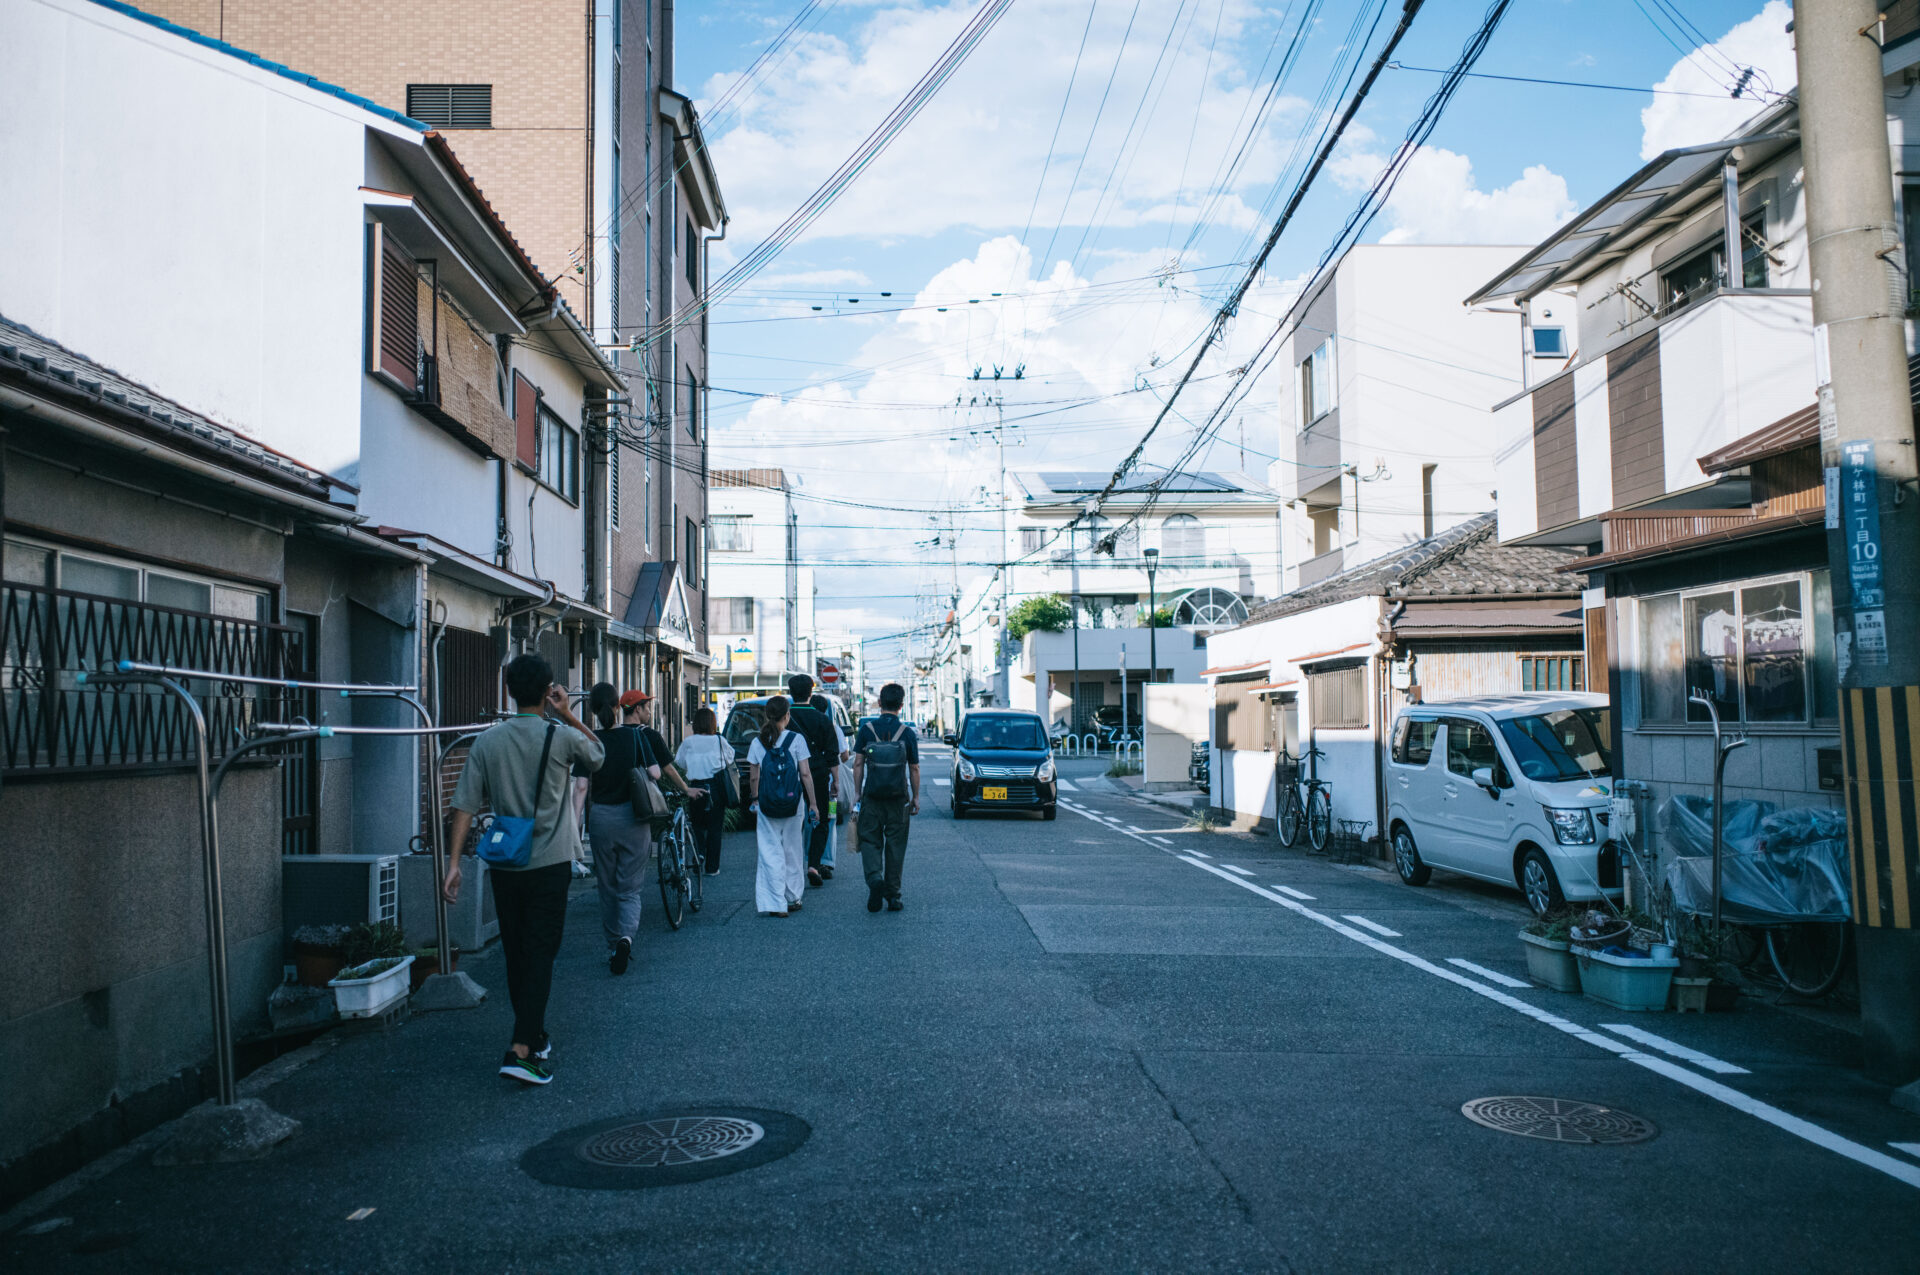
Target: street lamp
<point x="1153" y="647"/>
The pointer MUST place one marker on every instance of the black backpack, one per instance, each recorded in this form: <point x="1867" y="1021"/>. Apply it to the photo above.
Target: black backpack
<point x="817" y="729"/>
<point x="886" y="764"/>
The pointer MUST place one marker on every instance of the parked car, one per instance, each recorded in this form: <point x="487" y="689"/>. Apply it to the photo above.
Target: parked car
<point x="1512" y="789"/>
<point x="1200" y="766"/>
<point x="1003" y="762"/>
<point x="744" y="722"/>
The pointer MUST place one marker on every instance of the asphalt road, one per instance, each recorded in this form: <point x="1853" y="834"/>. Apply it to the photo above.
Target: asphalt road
<point x="1105" y="1043"/>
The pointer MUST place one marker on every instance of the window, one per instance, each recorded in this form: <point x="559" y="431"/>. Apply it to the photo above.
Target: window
<point x="1752" y="649"/>
<point x="692" y="252"/>
<point x="736" y="614"/>
<point x="1910" y="223"/>
<point x="1549" y="343"/>
<point x="1413" y="740"/>
<point x="1469" y="747"/>
<point x="1032" y="540"/>
<point x="730" y="533"/>
<point x="557" y="455"/>
<point x="1240" y="717"/>
<point x="1569" y="743"/>
<point x="451" y="105"/>
<point x="1426" y="501"/>
<point x="693" y="406"/>
<point x="1552" y="673"/>
<point x="124" y="581"/>
<point x="613" y="485"/>
<point x="1183" y="538"/>
<point x="393" y="311"/>
<point x="1316" y="384"/>
<point x="1691" y="278"/>
<point x="693" y="553"/>
<point x="1337" y="698"/>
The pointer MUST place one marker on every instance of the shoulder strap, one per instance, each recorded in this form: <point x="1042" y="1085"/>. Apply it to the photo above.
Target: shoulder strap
<point x="540" y="772"/>
<point x="899" y="729"/>
<point x="642" y="750"/>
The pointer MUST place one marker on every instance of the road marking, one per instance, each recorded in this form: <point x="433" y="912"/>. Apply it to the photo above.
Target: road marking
<point x="1911" y="1148"/>
<point x="942" y="783"/>
<point x="1131" y="828"/>
<point x="1066" y="785"/>
<point x="1806" y="1130"/>
<point x="359" y="1215"/>
<point x="1234" y="867"/>
<point x="1289" y="890"/>
<point x="1202" y="855"/>
<point x="1163" y="841"/>
<point x="1492" y="976"/>
<point x="1375" y="926"/>
<point x="1674" y="1050"/>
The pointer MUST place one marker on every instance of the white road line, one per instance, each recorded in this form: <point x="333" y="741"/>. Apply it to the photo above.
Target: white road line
<point x="1234" y="867"/>
<point x="1163" y="841"/>
<point x="1203" y="856"/>
<point x="1289" y="890"/>
<point x="1805" y="1130"/>
<point x="1066" y="785"/>
<point x="1492" y="976"/>
<point x="1674" y="1050"/>
<point x="943" y="783"/>
<point x="1131" y="828"/>
<point x="1375" y="926"/>
<point x="1911" y="1148"/>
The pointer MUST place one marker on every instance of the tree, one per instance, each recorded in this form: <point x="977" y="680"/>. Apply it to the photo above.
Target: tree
<point x="1047" y="614"/>
<point x="1161" y="619"/>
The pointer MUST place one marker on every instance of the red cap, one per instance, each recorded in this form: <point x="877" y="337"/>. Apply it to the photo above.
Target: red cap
<point x="631" y="698"/>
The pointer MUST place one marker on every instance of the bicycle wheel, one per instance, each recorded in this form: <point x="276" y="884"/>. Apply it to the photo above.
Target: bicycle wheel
<point x="695" y="864"/>
<point x="1319" y="819"/>
<point x="671" y="872"/>
<point x="1809" y="957"/>
<point x="1291" y="817"/>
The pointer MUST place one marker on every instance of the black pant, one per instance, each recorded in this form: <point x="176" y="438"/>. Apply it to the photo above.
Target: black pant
<point x="532" y="905"/>
<point x="710" y="823"/>
<point x="883" y="823"/>
<point x="817" y="843"/>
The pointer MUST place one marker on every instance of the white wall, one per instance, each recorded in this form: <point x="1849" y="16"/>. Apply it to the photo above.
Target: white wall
<point x="1177" y="717"/>
<point x="207" y="244"/>
<point x="1730" y="366"/>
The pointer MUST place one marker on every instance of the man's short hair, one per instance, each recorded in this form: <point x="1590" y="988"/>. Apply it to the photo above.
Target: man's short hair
<point x="800" y="688"/>
<point x="893" y="697"/>
<point x="528" y="677"/>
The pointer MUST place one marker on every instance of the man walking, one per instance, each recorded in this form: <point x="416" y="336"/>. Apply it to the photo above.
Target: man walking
<point x="826" y="748"/>
<point x="523" y="767"/>
<point x="886" y="775"/>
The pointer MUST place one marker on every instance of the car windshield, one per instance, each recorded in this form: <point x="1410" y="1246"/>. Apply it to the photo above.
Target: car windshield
<point x="1568" y="743"/>
<point x="742" y="725"/>
<point x="1004" y="732"/>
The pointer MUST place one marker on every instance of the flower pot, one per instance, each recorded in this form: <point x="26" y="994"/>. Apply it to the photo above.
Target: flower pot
<point x="1704" y="994"/>
<point x="427" y="964"/>
<point x="1551" y="963"/>
<point x="1626" y="982"/>
<point x="365" y="990"/>
<point x="317" y="966"/>
<point x="1594" y="940"/>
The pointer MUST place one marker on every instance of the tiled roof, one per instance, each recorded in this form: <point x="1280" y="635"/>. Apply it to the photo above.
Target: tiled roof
<point x="25" y="351"/>
<point x="1463" y="561"/>
<point x="254" y="59"/>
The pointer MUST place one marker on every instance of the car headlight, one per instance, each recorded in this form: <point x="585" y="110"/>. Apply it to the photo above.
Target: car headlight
<point x="1571" y="827"/>
<point x="967" y="771"/>
<point x="1044" y="771"/>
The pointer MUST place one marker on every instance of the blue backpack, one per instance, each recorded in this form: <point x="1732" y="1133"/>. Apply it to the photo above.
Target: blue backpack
<point x="780" y="780"/>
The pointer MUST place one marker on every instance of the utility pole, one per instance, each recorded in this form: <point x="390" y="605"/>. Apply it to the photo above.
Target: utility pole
<point x="1867" y="443"/>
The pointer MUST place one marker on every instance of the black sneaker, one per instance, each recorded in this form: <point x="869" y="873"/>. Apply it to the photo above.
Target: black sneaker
<point x="529" y="1071"/>
<point x="622" y="955"/>
<point x="876" y="895"/>
<point x="895" y="905"/>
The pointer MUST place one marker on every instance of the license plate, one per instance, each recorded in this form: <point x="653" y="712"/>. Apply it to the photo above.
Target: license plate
<point x="993" y="794"/>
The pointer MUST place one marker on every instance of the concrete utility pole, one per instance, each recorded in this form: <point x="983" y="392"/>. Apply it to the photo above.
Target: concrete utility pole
<point x="1867" y="443"/>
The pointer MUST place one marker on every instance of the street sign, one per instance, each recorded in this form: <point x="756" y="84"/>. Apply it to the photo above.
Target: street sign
<point x="829" y="672"/>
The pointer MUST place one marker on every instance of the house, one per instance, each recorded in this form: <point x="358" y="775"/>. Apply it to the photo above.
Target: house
<point x="762" y="597"/>
<point x="1331" y="665"/>
<point x="1383" y="417"/>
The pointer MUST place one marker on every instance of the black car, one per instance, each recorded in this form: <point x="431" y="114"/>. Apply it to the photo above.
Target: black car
<point x="1003" y="762"/>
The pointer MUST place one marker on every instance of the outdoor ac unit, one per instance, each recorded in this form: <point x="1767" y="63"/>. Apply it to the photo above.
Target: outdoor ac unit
<point x="472" y="923"/>
<point x="338" y="889"/>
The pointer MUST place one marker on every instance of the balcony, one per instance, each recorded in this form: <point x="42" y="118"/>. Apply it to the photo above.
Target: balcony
<point x="1318" y="568"/>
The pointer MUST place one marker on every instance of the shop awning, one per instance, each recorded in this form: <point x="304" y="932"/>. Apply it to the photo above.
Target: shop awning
<point x="659" y="608"/>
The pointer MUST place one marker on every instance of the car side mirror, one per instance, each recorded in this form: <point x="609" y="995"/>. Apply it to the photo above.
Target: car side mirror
<point x="1483" y="776"/>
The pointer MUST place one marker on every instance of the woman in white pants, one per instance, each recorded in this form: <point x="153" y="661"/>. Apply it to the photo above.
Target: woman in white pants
<point x="781" y="880"/>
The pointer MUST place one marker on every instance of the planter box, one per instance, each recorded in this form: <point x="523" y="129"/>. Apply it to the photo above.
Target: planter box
<point x="1699" y="995"/>
<point x="366" y="997"/>
<point x="1626" y="982"/>
<point x="1551" y="963"/>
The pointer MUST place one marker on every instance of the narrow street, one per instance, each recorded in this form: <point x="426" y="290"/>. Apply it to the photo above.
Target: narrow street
<point x="1110" y="1042"/>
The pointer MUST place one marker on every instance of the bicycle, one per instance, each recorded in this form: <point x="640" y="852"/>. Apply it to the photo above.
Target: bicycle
<point x="1315" y="811"/>
<point x="679" y="866"/>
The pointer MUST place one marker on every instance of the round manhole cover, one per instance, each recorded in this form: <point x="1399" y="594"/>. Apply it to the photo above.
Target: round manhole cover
<point x="628" y="1153"/>
<point x="1559" y="1120"/>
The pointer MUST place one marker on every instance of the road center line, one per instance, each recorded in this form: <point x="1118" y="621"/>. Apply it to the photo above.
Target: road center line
<point x="1234" y="867"/>
<point x="1805" y="1130"/>
<point x="1672" y="1049"/>
<point x="1290" y="891"/>
<point x="1375" y="926"/>
<point x="1163" y="841"/>
<point x="1492" y="976"/>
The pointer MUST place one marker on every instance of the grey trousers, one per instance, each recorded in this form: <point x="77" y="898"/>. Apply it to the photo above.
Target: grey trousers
<point x="621" y="847"/>
<point x="883" y="824"/>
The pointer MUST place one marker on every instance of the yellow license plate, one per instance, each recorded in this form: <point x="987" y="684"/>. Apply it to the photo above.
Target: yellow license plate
<point x="993" y="794"/>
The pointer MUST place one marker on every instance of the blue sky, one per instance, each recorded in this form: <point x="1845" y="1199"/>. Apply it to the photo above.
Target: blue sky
<point x="1102" y="319"/>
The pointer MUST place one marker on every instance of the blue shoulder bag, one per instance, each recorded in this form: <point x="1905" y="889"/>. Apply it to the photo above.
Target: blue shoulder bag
<point x="509" y="842"/>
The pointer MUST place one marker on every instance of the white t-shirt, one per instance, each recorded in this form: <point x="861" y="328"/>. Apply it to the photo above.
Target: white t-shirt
<point x="757" y="754"/>
<point x="703" y="756"/>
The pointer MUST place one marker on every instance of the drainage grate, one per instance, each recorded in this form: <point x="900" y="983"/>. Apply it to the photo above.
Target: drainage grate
<point x="663" y="1148"/>
<point x="1559" y="1120"/>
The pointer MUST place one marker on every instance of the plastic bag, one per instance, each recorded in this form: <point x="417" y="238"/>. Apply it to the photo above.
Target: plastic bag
<point x="1775" y="865"/>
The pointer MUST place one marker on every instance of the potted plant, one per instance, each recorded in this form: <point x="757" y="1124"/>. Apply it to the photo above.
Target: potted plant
<point x="362" y="991"/>
<point x="1548" y="959"/>
<point x="370" y="940"/>
<point x="319" y="953"/>
<point x="1593" y="929"/>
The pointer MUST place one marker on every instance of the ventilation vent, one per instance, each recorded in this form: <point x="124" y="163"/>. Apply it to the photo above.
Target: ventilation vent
<point x="451" y="105"/>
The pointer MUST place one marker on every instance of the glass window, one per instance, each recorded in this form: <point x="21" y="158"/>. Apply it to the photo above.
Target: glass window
<point x="1183" y="537"/>
<point x="1662" y="694"/>
<point x="1753" y="649"/>
<point x="1565" y="744"/>
<point x="1413" y="740"/>
<point x="558" y="455"/>
<point x="737" y="613"/>
<point x="1826" y="683"/>
<point x="730" y="533"/>
<point x="1004" y="732"/>
<point x="1032" y="539"/>
<point x="27" y="564"/>
<point x="1469" y="747"/>
<point x="1713" y="655"/>
<point x="172" y="591"/>
<point x="1549" y="343"/>
<point x="1316" y="384"/>
<point x="103" y="579"/>
<point x="1773" y="647"/>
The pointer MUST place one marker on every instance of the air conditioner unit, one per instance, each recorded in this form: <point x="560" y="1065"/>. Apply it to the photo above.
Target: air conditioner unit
<point x="338" y="889"/>
<point x="472" y="923"/>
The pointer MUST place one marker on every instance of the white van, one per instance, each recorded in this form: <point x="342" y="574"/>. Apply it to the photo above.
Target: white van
<point x="1507" y="788"/>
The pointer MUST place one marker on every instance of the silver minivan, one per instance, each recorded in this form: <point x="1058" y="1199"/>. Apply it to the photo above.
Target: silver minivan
<point x="1512" y="789"/>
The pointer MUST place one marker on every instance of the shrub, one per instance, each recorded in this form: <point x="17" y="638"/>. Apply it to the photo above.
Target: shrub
<point x="1046" y="614"/>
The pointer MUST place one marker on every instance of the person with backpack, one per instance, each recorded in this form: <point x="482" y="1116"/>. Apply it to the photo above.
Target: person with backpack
<point x="781" y="784"/>
<point x="825" y="744"/>
<point x="886" y="775"/>
<point x="621" y="840"/>
<point x="521" y="770"/>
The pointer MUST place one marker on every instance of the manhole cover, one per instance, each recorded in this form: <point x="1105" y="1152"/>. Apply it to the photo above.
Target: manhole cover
<point x="1559" y="1120"/>
<point x="629" y="1153"/>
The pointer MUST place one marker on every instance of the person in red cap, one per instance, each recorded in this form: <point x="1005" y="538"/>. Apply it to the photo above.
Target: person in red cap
<point x="637" y="710"/>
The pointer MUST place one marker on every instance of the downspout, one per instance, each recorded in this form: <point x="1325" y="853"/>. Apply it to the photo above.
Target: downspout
<point x="706" y="415"/>
<point x="1383" y="694"/>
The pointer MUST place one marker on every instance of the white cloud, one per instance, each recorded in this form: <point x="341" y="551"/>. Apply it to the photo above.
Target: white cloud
<point x="1438" y="200"/>
<point x="1761" y="42"/>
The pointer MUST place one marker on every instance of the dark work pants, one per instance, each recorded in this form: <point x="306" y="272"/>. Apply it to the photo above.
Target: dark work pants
<point x="533" y="913"/>
<point x="817" y="843"/>
<point x="883" y="842"/>
<point x="710" y="823"/>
